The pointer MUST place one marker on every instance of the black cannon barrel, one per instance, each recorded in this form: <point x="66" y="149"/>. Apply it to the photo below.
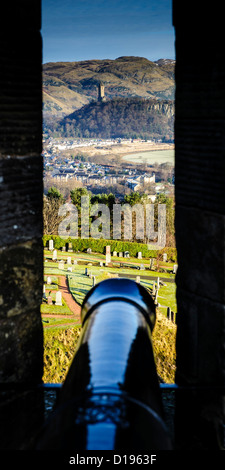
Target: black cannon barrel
<point x="111" y="397"/>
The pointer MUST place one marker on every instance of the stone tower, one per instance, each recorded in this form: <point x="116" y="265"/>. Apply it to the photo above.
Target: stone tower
<point x="101" y="92"/>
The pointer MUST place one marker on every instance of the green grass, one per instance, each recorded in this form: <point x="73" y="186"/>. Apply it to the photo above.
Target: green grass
<point x="59" y="323"/>
<point x="55" y="309"/>
<point x="79" y="285"/>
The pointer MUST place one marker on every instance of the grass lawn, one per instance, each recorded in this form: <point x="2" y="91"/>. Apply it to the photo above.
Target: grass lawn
<point x="60" y="322"/>
<point x="55" y="309"/>
<point x="80" y="284"/>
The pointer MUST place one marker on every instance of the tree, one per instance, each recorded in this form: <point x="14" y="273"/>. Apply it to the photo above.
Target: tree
<point x="51" y="219"/>
<point x="54" y="193"/>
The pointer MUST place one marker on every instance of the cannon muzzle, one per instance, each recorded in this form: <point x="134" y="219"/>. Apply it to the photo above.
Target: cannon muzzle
<point x="111" y="396"/>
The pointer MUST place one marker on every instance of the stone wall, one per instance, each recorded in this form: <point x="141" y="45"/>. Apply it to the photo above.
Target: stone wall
<point x="21" y="350"/>
<point x="200" y="221"/>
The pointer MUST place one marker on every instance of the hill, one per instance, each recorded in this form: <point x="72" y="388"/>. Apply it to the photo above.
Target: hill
<point x="68" y="86"/>
<point x="122" y="117"/>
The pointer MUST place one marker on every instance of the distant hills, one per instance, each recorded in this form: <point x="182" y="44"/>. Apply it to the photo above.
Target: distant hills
<point x="69" y="87"/>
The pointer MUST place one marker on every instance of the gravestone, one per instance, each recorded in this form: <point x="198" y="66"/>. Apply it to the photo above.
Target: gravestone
<point x="49" y="281"/>
<point x="54" y="255"/>
<point x="63" y="248"/>
<point x="115" y="253"/>
<point x="69" y="260"/>
<point x="51" y="245"/>
<point x="101" y="264"/>
<point x="138" y="279"/>
<point x="169" y="313"/>
<point x="61" y="265"/>
<point x="164" y="257"/>
<point x="126" y="254"/>
<point x="152" y="262"/>
<point x="86" y="271"/>
<point x="108" y="254"/>
<point x="158" y="282"/>
<point x="175" y="266"/>
<point x="93" y="280"/>
<point x="74" y="261"/>
<point x="120" y="254"/>
<point x="139" y="255"/>
<point x="153" y="288"/>
<point x="58" y="298"/>
<point x="89" y="250"/>
<point x="69" y="269"/>
<point x="70" y="247"/>
<point x="142" y="267"/>
<point x="49" y="300"/>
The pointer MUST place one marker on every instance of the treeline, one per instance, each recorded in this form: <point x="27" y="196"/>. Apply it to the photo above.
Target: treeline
<point x="52" y="215"/>
<point x="120" y="117"/>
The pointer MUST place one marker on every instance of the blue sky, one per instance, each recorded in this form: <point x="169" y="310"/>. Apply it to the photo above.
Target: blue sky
<point x="75" y="30"/>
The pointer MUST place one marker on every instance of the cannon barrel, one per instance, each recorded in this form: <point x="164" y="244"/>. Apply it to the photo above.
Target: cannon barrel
<point x="111" y="399"/>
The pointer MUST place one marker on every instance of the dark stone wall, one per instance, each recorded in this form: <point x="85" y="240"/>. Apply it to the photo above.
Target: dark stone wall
<point x="21" y="273"/>
<point x="200" y="220"/>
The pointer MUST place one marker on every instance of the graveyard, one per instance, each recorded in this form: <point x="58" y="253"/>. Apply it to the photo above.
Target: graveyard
<point x="69" y="275"/>
<point x="81" y="271"/>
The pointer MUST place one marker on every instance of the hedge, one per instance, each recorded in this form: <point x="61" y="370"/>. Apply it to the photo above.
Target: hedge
<point x="98" y="246"/>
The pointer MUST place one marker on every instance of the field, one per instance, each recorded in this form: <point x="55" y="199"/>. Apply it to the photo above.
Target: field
<point x="61" y="323"/>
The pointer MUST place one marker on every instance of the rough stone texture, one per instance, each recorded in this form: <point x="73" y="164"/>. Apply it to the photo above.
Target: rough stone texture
<point x="21" y="258"/>
<point x="200" y="223"/>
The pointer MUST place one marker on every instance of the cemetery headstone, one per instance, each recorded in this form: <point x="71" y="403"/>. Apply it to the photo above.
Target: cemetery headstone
<point x="61" y="265"/>
<point x="169" y="313"/>
<point x="54" y="255"/>
<point x="70" y="247"/>
<point x="175" y="266"/>
<point x="164" y="257"/>
<point x="49" y="281"/>
<point x="69" y="260"/>
<point x="108" y="254"/>
<point x="138" y="279"/>
<point x="89" y="250"/>
<point x="74" y="261"/>
<point x="153" y="288"/>
<point x="139" y="255"/>
<point x="93" y="280"/>
<point x="69" y="269"/>
<point x="49" y="300"/>
<point x="120" y="254"/>
<point x="51" y="245"/>
<point x="86" y="271"/>
<point x="114" y="253"/>
<point x="58" y="298"/>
